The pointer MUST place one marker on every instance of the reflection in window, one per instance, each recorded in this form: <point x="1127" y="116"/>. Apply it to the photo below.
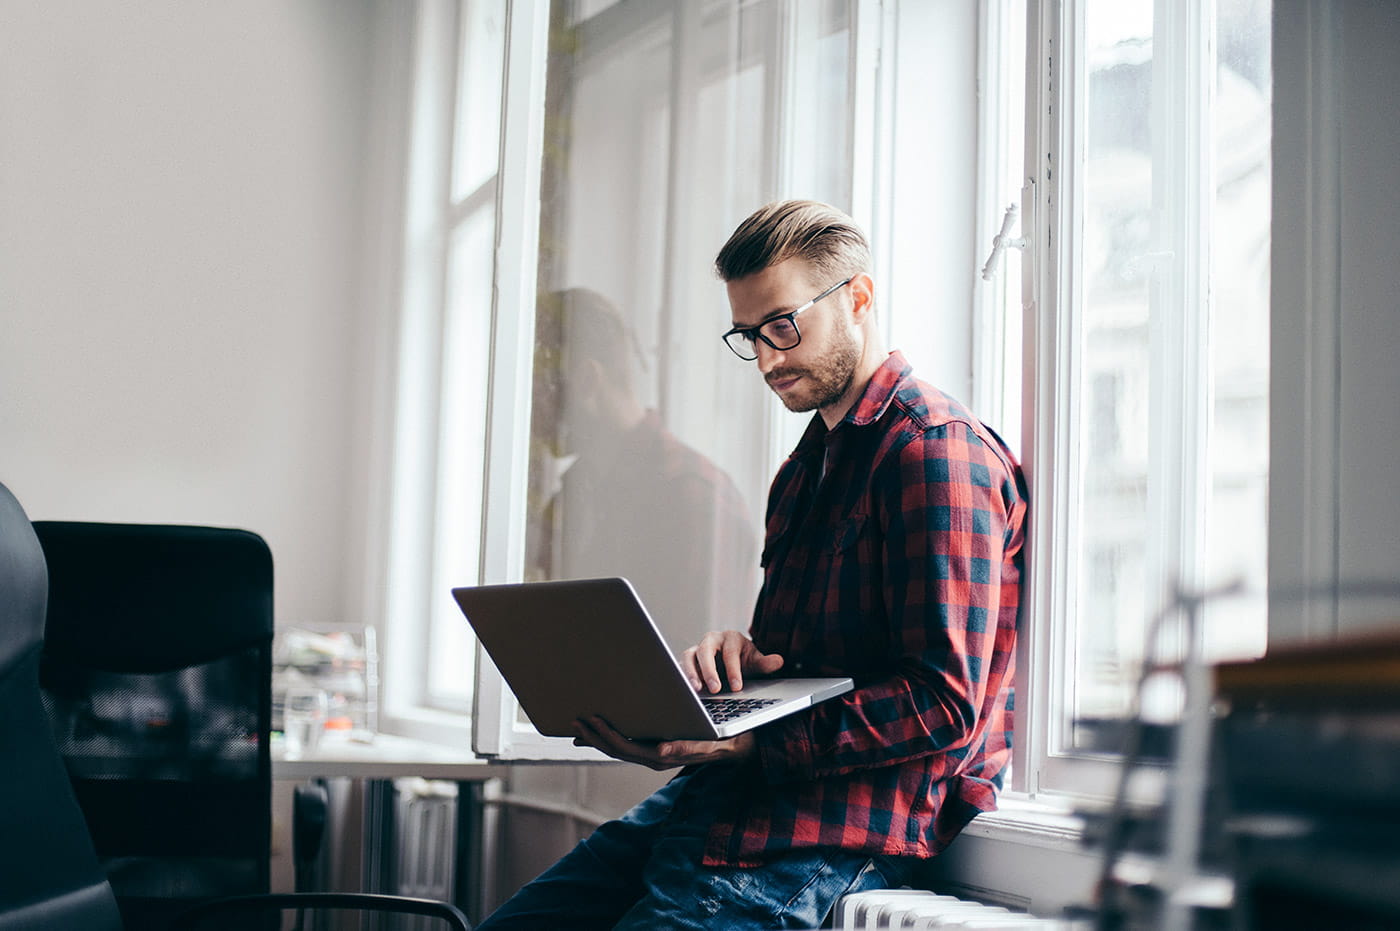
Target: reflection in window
<point x="649" y="452"/>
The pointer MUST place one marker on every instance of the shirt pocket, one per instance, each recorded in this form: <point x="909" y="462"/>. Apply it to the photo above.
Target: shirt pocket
<point x="843" y="558"/>
<point x="775" y="538"/>
<point x="845" y="534"/>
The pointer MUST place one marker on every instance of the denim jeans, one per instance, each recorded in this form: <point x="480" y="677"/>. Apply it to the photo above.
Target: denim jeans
<point x="644" y="871"/>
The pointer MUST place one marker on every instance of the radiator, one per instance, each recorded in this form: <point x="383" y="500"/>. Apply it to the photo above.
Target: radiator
<point x="426" y="843"/>
<point x="916" y="908"/>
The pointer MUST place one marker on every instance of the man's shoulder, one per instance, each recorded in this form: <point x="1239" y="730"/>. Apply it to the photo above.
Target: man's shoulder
<point x="919" y="408"/>
<point x="927" y="418"/>
<point x="927" y="406"/>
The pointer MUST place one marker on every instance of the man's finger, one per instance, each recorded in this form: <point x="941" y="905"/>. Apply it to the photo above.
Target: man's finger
<point x="705" y="653"/>
<point x="734" y="662"/>
<point x="691" y="668"/>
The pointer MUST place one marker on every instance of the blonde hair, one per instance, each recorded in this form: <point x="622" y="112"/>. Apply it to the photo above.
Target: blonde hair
<point x="819" y="233"/>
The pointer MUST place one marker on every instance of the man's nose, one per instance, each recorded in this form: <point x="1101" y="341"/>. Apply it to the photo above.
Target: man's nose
<point x="768" y="357"/>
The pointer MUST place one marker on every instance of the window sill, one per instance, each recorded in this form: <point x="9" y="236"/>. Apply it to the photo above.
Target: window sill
<point x="448" y="728"/>
<point x="1030" y="823"/>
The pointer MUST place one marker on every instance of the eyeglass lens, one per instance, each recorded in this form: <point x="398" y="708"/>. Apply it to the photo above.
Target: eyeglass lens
<point x="781" y="333"/>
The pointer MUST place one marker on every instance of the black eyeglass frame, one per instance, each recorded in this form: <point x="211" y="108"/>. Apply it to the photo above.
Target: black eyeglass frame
<point x="752" y="334"/>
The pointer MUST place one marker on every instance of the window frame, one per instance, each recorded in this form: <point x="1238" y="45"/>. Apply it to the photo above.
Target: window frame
<point x="1047" y="768"/>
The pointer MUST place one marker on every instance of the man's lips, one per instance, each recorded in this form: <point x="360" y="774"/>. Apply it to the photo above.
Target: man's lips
<point x="782" y="381"/>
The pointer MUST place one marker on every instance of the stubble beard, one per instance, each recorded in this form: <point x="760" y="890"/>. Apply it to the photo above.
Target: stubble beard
<point x="826" y="381"/>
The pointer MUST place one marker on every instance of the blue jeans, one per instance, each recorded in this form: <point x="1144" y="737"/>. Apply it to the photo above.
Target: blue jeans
<point x="644" y="871"/>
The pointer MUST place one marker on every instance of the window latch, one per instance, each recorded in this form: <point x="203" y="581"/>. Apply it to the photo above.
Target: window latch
<point x="1003" y="241"/>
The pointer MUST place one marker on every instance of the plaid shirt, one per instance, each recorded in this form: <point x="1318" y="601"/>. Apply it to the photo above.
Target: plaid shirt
<point x="900" y="568"/>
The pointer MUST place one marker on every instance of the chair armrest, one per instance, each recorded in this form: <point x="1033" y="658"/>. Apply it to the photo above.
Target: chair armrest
<point x="361" y="901"/>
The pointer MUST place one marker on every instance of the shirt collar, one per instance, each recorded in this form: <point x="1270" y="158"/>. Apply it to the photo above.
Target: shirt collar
<point x="879" y="392"/>
<point x="878" y="395"/>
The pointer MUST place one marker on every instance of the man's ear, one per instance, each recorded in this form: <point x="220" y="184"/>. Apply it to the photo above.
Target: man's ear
<point x="862" y="297"/>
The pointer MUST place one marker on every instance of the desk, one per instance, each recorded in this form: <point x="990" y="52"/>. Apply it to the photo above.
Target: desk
<point x="383" y="756"/>
<point x="374" y="764"/>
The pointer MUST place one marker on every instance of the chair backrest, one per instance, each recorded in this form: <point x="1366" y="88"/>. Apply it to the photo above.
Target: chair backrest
<point x="156" y="671"/>
<point x="49" y="874"/>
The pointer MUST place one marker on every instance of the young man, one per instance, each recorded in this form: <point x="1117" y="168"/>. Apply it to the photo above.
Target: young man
<point x="892" y="555"/>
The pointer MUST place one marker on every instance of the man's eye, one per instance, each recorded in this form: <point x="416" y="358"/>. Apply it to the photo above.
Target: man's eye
<point x="780" y="329"/>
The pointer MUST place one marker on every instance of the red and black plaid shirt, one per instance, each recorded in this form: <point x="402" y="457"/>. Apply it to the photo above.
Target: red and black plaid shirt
<point x="901" y="567"/>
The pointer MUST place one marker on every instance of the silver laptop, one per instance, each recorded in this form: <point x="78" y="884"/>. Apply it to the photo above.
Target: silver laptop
<point x="588" y="646"/>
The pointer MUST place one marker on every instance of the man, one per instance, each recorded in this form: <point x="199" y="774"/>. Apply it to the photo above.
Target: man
<point x="892" y="555"/>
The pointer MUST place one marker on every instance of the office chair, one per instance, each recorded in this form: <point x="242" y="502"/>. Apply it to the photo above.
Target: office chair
<point x="156" y="673"/>
<point x="49" y="873"/>
<point x="156" y="670"/>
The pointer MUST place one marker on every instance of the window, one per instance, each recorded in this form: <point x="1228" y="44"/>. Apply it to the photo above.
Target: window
<point x="642" y="460"/>
<point x="1146" y="440"/>
<point x="443" y="359"/>
<point x="565" y="406"/>
<point x="559" y="276"/>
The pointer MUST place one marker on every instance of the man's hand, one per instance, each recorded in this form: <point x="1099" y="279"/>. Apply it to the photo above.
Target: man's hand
<point x="737" y="657"/>
<point x="593" y="731"/>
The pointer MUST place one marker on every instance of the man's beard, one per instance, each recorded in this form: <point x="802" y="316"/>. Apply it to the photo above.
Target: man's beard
<point x="824" y="382"/>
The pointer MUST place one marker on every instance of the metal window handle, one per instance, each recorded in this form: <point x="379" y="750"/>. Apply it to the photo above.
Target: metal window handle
<point x="1002" y="241"/>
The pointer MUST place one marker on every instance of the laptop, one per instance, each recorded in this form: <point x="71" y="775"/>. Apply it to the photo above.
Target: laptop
<point x="588" y="646"/>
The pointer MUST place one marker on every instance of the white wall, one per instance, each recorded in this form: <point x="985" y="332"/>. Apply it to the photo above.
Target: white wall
<point x="181" y="233"/>
<point x="1335" y="429"/>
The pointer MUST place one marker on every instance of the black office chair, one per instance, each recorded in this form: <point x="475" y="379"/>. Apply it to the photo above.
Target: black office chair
<point x="156" y="675"/>
<point x="49" y="874"/>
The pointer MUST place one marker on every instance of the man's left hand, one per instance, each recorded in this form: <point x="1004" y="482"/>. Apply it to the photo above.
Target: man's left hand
<point x="667" y="754"/>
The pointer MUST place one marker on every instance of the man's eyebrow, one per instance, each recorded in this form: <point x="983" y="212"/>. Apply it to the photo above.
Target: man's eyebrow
<point x="772" y="315"/>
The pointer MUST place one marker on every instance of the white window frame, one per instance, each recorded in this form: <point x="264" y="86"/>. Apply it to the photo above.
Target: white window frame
<point x="497" y="731"/>
<point x="414" y="509"/>
<point x="1045" y="768"/>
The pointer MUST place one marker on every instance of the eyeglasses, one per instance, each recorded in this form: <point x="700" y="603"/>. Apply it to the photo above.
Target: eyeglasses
<point x="779" y="332"/>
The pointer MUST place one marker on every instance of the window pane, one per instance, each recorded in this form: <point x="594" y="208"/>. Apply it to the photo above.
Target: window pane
<point x="466" y="340"/>
<point x="1237" y="535"/>
<point x="1171" y="363"/>
<point x="649" y="456"/>
<point x="1116" y="366"/>
<point x="477" y="125"/>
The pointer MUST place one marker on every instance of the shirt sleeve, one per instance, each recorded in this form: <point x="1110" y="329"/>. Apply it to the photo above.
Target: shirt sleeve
<point x="943" y="504"/>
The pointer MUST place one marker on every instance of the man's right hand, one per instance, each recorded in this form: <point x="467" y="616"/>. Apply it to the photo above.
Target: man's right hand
<point x="727" y="654"/>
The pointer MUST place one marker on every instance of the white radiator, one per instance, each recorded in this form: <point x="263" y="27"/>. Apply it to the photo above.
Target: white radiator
<point x="427" y="838"/>
<point x="916" y="908"/>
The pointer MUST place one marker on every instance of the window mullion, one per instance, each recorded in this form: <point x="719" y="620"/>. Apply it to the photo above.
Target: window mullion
<point x="1051" y="335"/>
<point x="517" y="242"/>
<point x="1180" y="376"/>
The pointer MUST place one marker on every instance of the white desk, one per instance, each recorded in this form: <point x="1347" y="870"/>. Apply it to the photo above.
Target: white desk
<point x="384" y="756"/>
<point x="375" y="764"/>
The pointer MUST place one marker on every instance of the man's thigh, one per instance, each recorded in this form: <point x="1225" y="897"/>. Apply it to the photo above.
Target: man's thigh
<point x="795" y="890"/>
<point x="595" y="883"/>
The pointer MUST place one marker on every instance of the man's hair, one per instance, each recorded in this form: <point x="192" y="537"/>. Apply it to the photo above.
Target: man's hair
<point x="819" y="233"/>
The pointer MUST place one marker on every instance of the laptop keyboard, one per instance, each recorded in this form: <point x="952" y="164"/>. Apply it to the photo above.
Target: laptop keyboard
<point x="727" y="709"/>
